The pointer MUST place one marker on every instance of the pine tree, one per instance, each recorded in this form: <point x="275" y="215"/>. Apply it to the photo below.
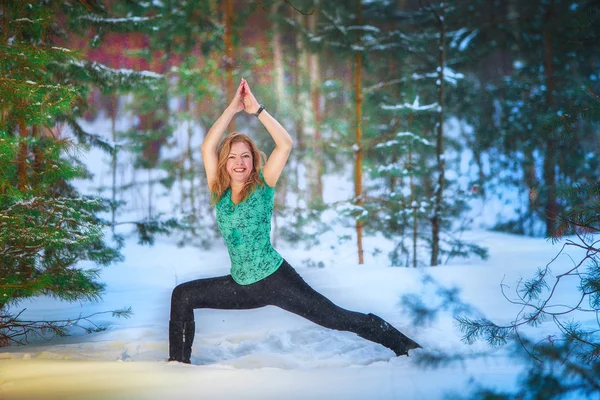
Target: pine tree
<point x="413" y="201"/>
<point x="544" y="54"/>
<point x="46" y="227"/>
<point x="565" y="364"/>
<point x="179" y="39"/>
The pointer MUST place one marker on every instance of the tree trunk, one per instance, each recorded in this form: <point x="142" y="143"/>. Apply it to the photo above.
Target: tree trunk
<point x="551" y="209"/>
<point x="439" y="189"/>
<point x="358" y="145"/>
<point x="4" y="23"/>
<point x="300" y="73"/>
<point x="22" y="156"/>
<point x="278" y="61"/>
<point x="113" y="119"/>
<point x="532" y="183"/>
<point x="191" y="168"/>
<point x="38" y="154"/>
<point x="279" y="204"/>
<point x="281" y="103"/>
<point x="3" y="114"/>
<point x="228" y="22"/>
<point x="414" y="205"/>
<point x="316" y="166"/>
<point x="150" y="193"/>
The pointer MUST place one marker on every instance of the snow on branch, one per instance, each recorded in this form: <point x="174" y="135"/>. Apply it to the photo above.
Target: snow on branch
<point x="403" y="135"/>
<point x="461" y="41"/>
<point x="450" y="76"/>
<point x="27" y="20"/>
<point x="101" y="68"/>
<point x="95" y="18"/>
<point x="415" y="137"/>
<point x="336" y="22"/>
<point x="415" y="106"/>
<point x="365" y="28"/>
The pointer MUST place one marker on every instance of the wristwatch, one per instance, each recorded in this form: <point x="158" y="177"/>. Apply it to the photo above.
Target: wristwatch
<point x="260" y="109"/>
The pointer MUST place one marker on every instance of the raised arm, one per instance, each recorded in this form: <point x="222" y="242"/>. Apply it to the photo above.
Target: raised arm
<point x="283" y="141"/>
<point x="214" y="134"/>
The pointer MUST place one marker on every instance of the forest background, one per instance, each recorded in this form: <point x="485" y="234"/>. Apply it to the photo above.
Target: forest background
<point x="425" y="108"/>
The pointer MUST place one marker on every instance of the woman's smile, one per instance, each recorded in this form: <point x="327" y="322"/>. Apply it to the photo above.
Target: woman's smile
<point x="239" y="162"/>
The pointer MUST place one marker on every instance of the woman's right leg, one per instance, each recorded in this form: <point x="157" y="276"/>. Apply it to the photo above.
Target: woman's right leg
<point x="220" y="293"/>
<point x="292" y="293"/>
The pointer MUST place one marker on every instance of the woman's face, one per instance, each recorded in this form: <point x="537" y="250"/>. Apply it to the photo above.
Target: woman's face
<point x="239" y="162"/>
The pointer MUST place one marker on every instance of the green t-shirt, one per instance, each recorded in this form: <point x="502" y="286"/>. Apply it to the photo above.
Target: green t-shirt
<point x="246" y="228"/>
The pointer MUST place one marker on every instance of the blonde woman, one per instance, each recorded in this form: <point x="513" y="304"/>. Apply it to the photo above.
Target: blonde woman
<point x="243" y="186"/>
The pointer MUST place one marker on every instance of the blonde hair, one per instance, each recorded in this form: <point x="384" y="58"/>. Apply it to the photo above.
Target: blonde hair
<point x="223" y="181"/>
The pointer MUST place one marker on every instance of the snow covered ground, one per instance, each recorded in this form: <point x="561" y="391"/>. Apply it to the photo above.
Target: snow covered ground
<point x="268" y="353"/>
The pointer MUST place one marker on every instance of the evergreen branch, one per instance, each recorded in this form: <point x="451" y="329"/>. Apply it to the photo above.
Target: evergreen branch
<point x="16" y="331"/>
<point x="496" y="334"/>
<point x="483" y="328"/>
<point x="85" y="137"/>
<point x="288" y="2"/>
<point x="437" y="358"/>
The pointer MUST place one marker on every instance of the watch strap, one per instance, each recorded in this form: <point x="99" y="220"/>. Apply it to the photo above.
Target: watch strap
<point x="260" y="109"/>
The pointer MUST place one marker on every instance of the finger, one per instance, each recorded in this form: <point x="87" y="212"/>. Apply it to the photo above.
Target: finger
<point x="247" y="88"/>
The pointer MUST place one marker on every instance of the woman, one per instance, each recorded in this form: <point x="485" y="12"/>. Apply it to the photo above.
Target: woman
<point x="243" y="192"/>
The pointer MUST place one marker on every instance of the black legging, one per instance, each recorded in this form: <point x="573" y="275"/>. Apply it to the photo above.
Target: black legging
<point x="284" y="289"/>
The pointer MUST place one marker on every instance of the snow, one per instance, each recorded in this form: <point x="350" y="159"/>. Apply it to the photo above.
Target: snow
<point x="464" y="44"/>
<point x="25" y="20"/>
<point x="268" y="353"/>
<point x="366" y="28"/>
<point x="96" y="18"/>
<point x="414" y="137"/>
<point x="121" y="71"/>
<point x="416" y="106"/>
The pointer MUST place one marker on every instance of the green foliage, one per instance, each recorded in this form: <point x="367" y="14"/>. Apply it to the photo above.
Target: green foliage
<point x="44" y="234"/>
<point x="15" y="330"/>
<point x="401" y="146"/>
<point x="536" y="117"/>
<point x="556" y="365"/>
<point x="47" y="229"/>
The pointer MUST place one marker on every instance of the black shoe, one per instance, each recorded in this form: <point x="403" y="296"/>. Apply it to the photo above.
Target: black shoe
<point x="181" y="337"/>
<point x="379" y="331"/>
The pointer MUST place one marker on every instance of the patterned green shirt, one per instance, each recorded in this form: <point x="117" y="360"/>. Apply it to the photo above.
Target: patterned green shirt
<point x="246" y="228"/>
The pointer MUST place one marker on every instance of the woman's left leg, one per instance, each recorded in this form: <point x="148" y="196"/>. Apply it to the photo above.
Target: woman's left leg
<point x="286" y="289"/>
<point x="219" y="293"/>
